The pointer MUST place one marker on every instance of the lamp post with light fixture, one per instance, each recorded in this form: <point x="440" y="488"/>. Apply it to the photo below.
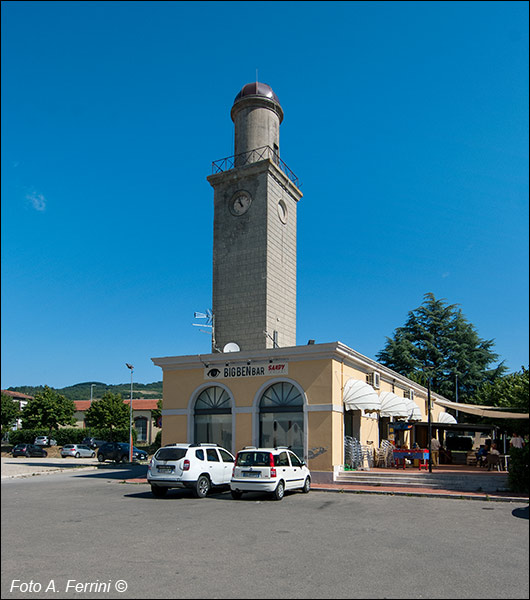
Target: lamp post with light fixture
<point x="130" y="416"/>
<point x="92" y="385"/>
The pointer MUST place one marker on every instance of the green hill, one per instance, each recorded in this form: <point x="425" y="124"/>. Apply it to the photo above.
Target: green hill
<point x="81" y="391"/>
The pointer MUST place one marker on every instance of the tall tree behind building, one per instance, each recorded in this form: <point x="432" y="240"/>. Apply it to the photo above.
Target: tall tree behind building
<point x="437" y="341"/>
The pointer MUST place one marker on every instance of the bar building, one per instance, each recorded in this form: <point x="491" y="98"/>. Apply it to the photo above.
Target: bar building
<point x="256" y="386"/>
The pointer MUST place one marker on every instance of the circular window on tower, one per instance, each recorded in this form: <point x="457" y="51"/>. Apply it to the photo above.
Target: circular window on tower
<point x="282" y="211"/>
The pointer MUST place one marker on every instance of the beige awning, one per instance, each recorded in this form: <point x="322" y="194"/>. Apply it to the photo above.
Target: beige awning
<point x="359" y="395"/>
<point x="393" y="406"/>
<point x="493" y="412"/>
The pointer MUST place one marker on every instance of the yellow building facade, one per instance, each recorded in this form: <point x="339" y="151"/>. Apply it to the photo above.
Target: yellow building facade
<point x="286" y="396"/>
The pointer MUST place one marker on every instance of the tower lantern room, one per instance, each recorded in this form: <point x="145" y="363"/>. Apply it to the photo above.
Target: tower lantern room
<point x="257" y="115"/>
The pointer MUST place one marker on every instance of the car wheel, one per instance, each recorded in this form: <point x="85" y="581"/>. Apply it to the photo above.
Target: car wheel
<point x="202" y="487"/>
<point x="45" y="454"/>
<point x="101" y="458"/>
<point x="307" y="485"/>
<point x="158" y="492"/>
<point x="93" y="455"/>
<point x="27" y="455"/>
<point x="77" y="455"/>
<point x="124" y="459"/>
<point x="279" y="491"/>
<point x="236" y="495"/>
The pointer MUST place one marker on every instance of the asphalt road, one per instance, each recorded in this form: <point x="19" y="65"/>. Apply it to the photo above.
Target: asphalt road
<point x="90" y="530"/>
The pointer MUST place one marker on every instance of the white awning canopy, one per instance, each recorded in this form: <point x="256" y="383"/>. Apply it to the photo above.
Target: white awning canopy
<point x="393" y="406"/>
<point x="445" y="417"/>
<point x="359" y="395"/>
<point x="492" y="412"/>
<point x="414" y="412"/>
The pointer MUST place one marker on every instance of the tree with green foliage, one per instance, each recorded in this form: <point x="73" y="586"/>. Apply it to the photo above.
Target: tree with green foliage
<point x="439" y="343"/>
<point x="10" y="412"/>
<point x="110" y="412"/>
<point x="509" y="392"/>
<point x="48" y="410"/>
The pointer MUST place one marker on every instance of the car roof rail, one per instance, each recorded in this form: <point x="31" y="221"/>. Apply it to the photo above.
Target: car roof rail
<point x="176" y="444"/>
<point x="250" y="448"/>
<point x="198" y="444"/>
<point x="282" y="447"/>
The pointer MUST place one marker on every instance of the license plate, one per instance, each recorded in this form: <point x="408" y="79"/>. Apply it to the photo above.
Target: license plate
<point x="251" y="474"/>
<point x="165" y="469"/>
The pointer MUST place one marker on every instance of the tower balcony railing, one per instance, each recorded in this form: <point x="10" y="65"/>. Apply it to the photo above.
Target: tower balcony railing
<point x="252" y="156"/>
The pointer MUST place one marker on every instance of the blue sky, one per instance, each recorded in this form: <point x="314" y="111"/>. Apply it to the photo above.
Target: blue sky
<point x="406" y="122"/>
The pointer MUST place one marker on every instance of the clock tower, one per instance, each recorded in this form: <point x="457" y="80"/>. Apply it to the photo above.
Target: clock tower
<point x="254" y="246"/>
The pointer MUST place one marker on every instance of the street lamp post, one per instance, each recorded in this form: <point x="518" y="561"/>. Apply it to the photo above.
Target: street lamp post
<point x="130" y="416"/>
<point x="92" y="385"/>
<point x="429" y="422"/>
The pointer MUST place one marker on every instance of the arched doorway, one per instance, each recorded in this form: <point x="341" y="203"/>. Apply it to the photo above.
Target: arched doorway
<point x="213" y="417"/>
<point x="281" y="417"/>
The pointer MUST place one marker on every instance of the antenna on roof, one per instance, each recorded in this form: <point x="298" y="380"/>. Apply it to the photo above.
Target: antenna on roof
<point x="210" y="324"/>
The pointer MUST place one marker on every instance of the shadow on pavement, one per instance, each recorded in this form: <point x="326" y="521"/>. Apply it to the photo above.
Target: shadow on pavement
<point x="521" y="513"/>
<point x="120" y="471"/>
<point x="180" y="494"/>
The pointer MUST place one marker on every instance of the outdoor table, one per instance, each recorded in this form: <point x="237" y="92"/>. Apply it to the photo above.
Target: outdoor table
<point x="421" y="454"/>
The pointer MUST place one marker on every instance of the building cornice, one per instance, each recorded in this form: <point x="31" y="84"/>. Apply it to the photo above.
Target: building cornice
<point x="332" y="350"/>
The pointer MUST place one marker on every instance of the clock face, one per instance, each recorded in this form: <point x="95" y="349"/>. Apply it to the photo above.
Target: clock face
<point x="240" y="203"/>
<point x="282" y="211"/>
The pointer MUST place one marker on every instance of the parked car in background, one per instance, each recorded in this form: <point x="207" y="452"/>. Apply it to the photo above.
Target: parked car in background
<point x="198" y="467"/>
<point x="119" y="452"/>
<point x="93" y="442"/>
<point x="44" y="440"/>
<point x="29" y="450"/>
<point x="272" y="470"/>
<point x="77" y="451"/>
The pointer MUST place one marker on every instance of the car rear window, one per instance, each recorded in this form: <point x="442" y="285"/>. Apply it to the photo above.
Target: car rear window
<point x="253" y="459"/>
<point x="171" y="453"/>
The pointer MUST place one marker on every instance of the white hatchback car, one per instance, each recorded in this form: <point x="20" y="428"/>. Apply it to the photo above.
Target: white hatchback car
<point x="198" y="467"/>
<point x="272" y="470"/>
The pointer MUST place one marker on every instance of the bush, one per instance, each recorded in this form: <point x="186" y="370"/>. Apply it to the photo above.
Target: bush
<point x="70" y="435"/>
<point x="518" y="473"/>
<point x="25" y="436"/>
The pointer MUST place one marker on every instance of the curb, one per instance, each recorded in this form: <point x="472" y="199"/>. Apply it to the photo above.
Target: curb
<point x="397" y="492"/>
<point x="452" y="495"/>
<point x="37" y="473"/>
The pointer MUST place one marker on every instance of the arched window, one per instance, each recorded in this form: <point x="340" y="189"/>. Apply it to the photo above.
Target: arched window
<point x="281" y="417"/>
<point x="213" y="417"/>
<point x="140" y="424"/>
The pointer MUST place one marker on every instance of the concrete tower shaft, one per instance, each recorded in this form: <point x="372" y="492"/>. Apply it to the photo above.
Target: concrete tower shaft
<point x="257" y="115"/>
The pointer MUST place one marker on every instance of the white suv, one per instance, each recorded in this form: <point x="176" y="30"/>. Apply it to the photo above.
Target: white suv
<point x="198" y="467"/>
<point x="272" y="470"/>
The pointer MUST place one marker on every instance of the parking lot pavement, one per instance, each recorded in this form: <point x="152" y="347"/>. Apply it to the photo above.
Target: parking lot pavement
<point x="28" y="467"/>
<point x="88" y="529"/>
